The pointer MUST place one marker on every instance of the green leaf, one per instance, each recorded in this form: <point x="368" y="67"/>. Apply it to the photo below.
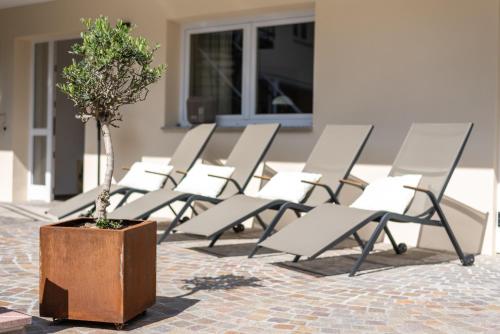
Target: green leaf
<point x="111" y="69"/>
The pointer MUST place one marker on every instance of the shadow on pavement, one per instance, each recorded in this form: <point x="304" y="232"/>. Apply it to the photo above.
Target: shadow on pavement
<point x="165" y="307"/>
<point x="239" y="249"/>
<point x="378" y="261"/>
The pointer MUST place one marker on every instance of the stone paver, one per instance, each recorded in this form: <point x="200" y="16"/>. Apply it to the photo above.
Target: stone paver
<point x="13" y="322"/>
<point x="219" y="290"/>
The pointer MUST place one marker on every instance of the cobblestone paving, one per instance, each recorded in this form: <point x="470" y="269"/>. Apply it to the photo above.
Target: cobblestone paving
<point x="221" y="291"/>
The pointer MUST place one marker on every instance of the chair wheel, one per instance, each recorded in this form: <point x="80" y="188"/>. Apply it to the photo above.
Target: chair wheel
<point x="402" y="248"/>
<point x="238" y="228"/>
<point x="468" y="260"/>
<point x="183" y="220"/>
<point x="119" y="327"/>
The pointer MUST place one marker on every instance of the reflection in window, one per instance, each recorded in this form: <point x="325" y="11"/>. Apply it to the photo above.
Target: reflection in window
<point x="216" y="69"/>
<point x="285" y="58"/>
<point x="40" y="93"/>
<point x="39" y="160"/>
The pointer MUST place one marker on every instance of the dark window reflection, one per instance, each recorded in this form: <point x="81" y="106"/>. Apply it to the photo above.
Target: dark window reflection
<point x="285" y="59"/>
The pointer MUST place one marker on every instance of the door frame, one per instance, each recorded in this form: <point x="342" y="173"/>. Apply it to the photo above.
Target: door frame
<point x="43" y="192"/>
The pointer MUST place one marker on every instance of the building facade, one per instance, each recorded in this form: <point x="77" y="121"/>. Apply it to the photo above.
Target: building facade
<point x="304" y="63"/>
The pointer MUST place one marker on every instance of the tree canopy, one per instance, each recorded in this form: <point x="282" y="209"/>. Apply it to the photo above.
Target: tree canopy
<point x="114" y="69"/>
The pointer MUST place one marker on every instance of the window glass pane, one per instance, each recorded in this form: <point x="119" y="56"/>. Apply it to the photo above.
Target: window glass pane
<point x="40" y="94"/>
<point x="285" y="57"/>
<point x="216" y="70"/>
<point x="39" y="159"/>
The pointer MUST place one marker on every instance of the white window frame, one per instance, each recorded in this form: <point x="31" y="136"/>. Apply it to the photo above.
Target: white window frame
<point x="249" y="68"/>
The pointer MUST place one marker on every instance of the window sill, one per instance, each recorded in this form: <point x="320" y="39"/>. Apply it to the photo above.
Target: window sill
<point x="228" y="128"/>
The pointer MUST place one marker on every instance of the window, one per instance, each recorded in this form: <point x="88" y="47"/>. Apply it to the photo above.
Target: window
<point x="252" y="72"/>
<point x="215" y="69"/>
<point x="285" y="69"/>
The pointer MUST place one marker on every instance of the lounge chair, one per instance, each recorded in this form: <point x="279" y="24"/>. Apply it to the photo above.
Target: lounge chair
<point x="333" y="156"/>
<point x="245" y="157"/>
<point x="184" y="157"/>
<point x="430" y="150"/>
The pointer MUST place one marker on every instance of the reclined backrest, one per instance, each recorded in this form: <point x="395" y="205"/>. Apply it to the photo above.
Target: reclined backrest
<point x="333" y="156"/>
<point x="432" y="150"/>
<point x="190" y="148"/>
<point x="248" y="152"/>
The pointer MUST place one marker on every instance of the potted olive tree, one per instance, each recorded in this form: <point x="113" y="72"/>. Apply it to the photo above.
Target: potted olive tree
<point x="98" y="269"/>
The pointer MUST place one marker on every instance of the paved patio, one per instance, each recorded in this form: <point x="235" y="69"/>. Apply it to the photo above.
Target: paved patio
<point x="219" y="290"/>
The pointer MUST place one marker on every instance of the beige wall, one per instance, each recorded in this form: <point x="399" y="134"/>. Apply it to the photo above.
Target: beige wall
<point x="391" y="62"/>
<point x="385" y="62"/>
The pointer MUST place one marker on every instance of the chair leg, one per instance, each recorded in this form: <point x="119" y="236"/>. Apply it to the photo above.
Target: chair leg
<point x="369" y="245"/>
<point x="261" y="222"/>
<point x="359" y="241"/>
<point x="195" y="212"/>
<point x="269" y="229"/>
<point x="174" y="222"/>
<point x="398" y="248"/>
<point x="296" y="258"/>
<point x="467" y="260"/>
<point x="88" y="213"/>
<point x="124" y="199"/>
<point x="254" y="251"/>
<point x="214" y="240"/>
<point x="172" y="209"/>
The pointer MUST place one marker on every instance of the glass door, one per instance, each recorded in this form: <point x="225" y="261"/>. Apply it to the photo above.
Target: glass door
<point x="40" y="141"/>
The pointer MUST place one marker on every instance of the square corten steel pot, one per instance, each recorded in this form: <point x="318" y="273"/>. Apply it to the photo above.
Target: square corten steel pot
<point x="97" y="274"/>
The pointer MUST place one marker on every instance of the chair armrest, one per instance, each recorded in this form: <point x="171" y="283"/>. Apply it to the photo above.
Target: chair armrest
<point x="417" y="189"/>
<point x="181" y="172"/>
<point x="157" y="173"/>
<point x="357" y="184"/>
<point x="262" y="177"/>
<point x="329" y="190"/>
<point x="229" y="179"/>
<point x="429" y="193"/>
<point x="168" y="176"/>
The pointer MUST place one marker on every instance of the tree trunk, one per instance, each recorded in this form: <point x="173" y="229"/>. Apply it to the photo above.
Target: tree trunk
<point x="102" y="201"/>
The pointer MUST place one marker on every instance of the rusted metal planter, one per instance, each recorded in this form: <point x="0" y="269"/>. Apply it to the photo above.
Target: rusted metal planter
<point x="97" y="275"/>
